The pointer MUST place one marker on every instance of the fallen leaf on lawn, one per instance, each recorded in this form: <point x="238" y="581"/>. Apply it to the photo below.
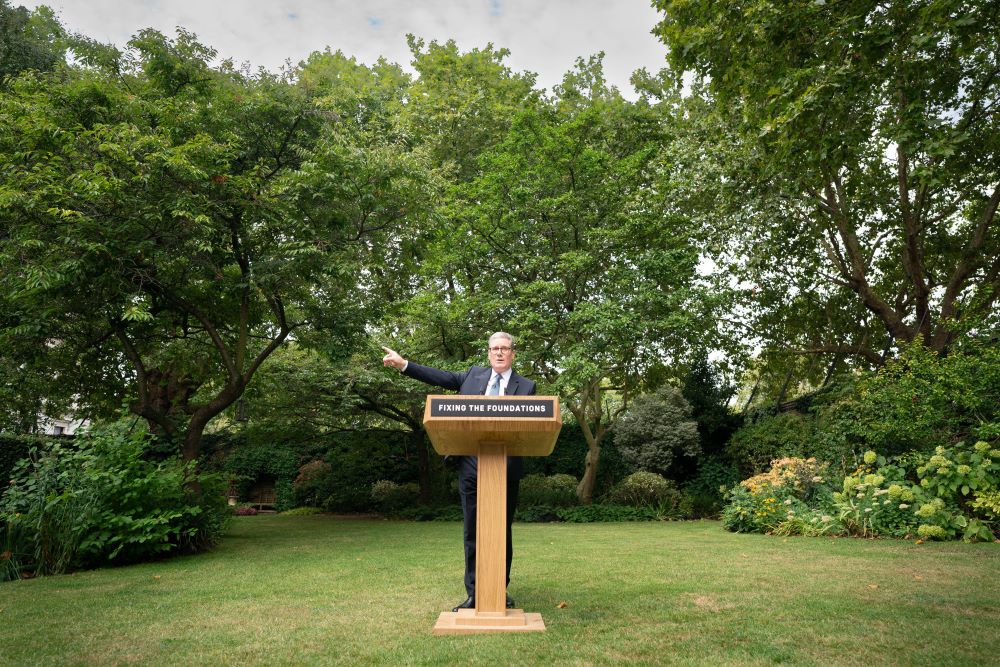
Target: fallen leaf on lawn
<point x="918" y="577"/>
<point x="873" y="586"/>
<point x="561" y="605"/>
<point x="919" y="542"/>
<point x="745" y="556"/>
<point x="156" y="576"/>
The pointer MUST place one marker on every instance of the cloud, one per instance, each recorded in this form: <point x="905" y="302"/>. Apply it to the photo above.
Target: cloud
<point x="543" y="37"/>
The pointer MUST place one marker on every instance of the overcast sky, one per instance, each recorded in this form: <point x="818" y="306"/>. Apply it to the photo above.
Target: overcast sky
<point x="544" y="36"/>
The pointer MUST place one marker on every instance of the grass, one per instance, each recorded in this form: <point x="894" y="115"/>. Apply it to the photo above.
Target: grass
<point x="320" y="590"/>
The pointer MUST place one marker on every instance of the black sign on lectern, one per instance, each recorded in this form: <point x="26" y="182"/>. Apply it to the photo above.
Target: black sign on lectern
<point x="463" y="406"/>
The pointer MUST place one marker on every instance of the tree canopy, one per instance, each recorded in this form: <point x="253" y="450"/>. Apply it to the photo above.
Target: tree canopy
<point x="803" y="191"/>
<point x="856" y="154"/>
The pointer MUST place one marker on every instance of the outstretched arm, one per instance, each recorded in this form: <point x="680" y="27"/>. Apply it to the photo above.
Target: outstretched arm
<point x="446" y="379"/>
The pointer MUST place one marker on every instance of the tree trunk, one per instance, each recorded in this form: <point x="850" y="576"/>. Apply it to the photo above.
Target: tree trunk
<point x="784" y="388"/>
<point x="585" y="489"/>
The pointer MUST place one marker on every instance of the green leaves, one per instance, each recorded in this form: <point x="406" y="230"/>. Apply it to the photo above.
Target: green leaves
<point x="180" y="221"/>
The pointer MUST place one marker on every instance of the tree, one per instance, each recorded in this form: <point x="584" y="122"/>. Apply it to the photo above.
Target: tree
<point x="708" y="395"/>
<point x="303" y="397"/>
<point x="169" y="225"/>
<point x="858" y="160"/>
<point x="657" y="429"/>
<point x="462" y="103"/>
<point x="562" y="241"/>
<point x="29" y="41"/>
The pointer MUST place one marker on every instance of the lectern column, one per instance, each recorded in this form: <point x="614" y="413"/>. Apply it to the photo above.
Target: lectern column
<point x="491" y="528"/>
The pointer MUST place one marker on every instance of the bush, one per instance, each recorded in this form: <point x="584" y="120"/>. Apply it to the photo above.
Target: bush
<point x="13" y="448"/>
<point x="656" y="429"/>
<point x="967" y="477"/>
<point x="554" y="490"/>
<point x="302" y="511"/>
<point x="537" y="514"/>
<point x="952" y="494"/>
<point x="607" y="513"/>
<point x="782" y="495"/>
<point x="393" y="498"/>
<point x="99" y="501"/>
<point x="569" y="456"/>
<point x="597" y="513"/>
<point x="250" y="463"/>
<point x="921" y="399"/>
<point x="426" y="513"/>
<point x="313" y="478"/>
<point x="15" y="557"/>
<point x="704" y="495"/>
<point x="878" y="501"/>
<point x="770" y="437"/>
<point x="646" y="489"/>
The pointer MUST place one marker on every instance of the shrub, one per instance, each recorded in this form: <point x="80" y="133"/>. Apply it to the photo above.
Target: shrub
<point x="878" y="500"/>
<point x="553" y="490"/>
<point x="778" y="498"/>
<point x="748" y="511"/>
<point x="537" y="514"/>
<point x="313" y="479"/>
<point x="50" y="506"/>
<point x="770" y="437"/>
<point x="249" y="463"/>
<point x="302" y="511"/>
<point x="953" y="494"/>
<point x="921" y="399"/>
<point x="392" y="497"/>
<point x="426" y="513"/>
<point x="13" y="448"/>
<point x="607" y="513"/>
<point x="98" y="501"/>
<point x="15" y="554"/>
<point x="704" y="495"/>
<point x="656" y="429"/>
<point x="969" y="478"/>
<point x="797" y="477"/>
<point x="645" y="489"/>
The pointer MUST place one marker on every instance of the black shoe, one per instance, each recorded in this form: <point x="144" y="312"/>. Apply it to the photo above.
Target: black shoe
<point x="470" y="603"/>
<point x="510" y="602"/>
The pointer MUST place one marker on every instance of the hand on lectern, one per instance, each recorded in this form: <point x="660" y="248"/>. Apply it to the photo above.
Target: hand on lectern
<point x="393" y="359"/>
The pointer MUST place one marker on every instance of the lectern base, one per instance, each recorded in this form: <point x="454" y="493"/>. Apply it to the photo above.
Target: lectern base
<point x="467" y="621"/>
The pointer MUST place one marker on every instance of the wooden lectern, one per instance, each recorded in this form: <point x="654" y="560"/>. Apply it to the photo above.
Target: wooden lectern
<point x="492" y="428"/>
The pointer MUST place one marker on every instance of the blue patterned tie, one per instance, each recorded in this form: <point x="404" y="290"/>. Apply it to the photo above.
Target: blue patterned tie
<point x="495" y="387"/>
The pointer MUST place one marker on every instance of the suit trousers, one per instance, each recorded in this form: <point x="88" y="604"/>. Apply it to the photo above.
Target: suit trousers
<point x="467" y="485"/>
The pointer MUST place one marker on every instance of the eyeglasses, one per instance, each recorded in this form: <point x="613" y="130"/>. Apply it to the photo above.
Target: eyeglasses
<point x="498" y="350"/>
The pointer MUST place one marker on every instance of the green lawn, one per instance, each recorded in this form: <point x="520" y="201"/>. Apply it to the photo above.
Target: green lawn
<point x="320" y="590"/>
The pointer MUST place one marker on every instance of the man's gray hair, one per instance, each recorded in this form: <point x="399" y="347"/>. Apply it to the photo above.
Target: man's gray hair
<point x="502" y="334"/>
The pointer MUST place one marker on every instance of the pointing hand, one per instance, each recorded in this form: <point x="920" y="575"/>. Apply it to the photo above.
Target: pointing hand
<point x="393" y="359"/>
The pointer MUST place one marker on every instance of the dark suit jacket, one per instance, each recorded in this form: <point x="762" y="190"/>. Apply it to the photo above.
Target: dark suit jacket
<point x="472" y="382"/>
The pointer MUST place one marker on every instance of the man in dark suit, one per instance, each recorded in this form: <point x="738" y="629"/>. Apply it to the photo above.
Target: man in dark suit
<point x="498" y="380"/>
